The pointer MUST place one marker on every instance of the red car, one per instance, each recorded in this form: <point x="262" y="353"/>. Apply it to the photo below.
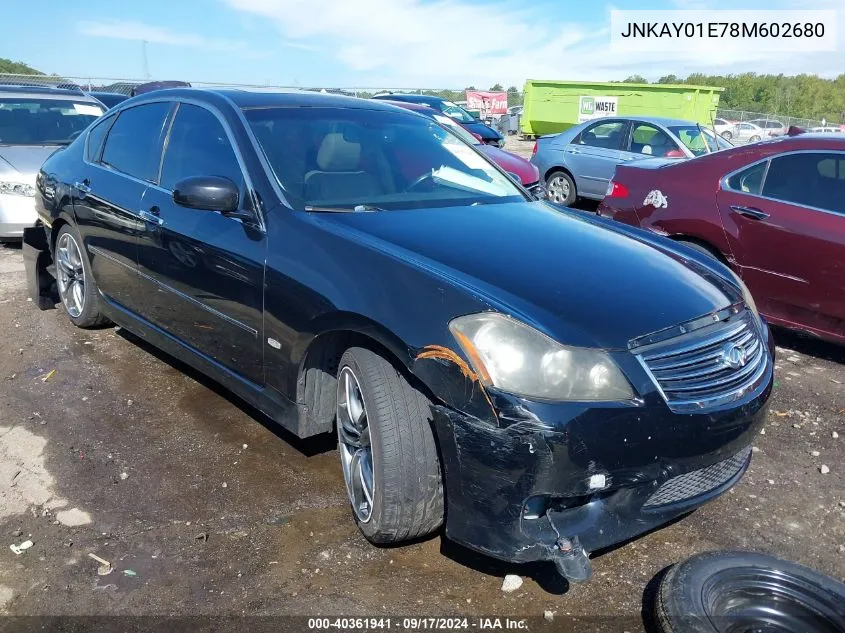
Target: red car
<point x="773" y="211"/>
<point x="526" y="171"/>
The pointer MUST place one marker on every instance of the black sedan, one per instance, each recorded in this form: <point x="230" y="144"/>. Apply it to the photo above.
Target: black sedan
<point x="547" y="382"/>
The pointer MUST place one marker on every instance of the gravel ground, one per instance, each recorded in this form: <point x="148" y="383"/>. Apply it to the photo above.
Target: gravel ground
<point x="108" y="447"/>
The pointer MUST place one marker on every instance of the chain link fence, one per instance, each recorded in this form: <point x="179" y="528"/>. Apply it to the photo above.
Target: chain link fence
<point x="742" y="116"/>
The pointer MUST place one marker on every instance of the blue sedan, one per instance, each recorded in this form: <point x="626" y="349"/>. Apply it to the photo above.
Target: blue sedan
<point x="580" y="162"/>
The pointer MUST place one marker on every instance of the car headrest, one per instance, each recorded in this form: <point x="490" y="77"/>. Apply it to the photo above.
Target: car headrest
<point x="338" y="154"/>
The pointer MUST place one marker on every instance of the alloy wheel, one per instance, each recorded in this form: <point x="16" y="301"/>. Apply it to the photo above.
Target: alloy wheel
<point x="71" y="275"/>
<point x="558" y="189"/>
<point x="356" y="453"/>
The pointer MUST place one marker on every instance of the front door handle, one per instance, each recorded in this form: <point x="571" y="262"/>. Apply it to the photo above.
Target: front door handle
<point x="750" y="212"/>
<point x="151" y="216"/>
<point x="83" y="187"/>
<point x="572" y="151"/>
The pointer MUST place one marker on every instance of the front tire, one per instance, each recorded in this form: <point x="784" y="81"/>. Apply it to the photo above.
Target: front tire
<point x="560" y="188"/>
<point x="727" y="135"/>
<point x="77" y="288"/>
<point x="755" y="138"/>
<point x="387" y="450"/>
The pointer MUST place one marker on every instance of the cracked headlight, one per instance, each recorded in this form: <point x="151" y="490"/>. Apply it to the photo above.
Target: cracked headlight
<point x="516" y="358"/>
<point x="16" y="188"/>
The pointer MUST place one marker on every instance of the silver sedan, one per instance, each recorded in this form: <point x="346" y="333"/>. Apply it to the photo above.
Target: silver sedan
<point x="579" y="162"/>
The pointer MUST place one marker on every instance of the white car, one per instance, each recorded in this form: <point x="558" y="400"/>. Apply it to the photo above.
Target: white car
<point x="747" y="132"/>
<point x="771" y="127"/>
<point x="826" y="129"/>
<point x="723" y="128"/>
<point x="34" y="123"/>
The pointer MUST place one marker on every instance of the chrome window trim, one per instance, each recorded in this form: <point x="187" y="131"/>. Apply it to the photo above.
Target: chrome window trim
<point x="180" y="294"/>
<point x="723" y="182"/>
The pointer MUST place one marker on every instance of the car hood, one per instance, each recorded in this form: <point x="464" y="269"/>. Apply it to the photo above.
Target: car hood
<point x="483" y="130"/>
<point x="581" y="282"/>
<point x="25" y="159"/>
<point x="527" y="172"/>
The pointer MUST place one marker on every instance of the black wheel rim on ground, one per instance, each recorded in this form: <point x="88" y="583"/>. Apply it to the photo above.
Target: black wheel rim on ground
<point x="758" y="600"/>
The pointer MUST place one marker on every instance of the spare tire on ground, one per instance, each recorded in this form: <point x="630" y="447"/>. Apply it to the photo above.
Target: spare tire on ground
<point x="745" y="592"/>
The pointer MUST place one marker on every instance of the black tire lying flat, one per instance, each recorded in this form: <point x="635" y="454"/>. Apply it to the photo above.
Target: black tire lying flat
<point x="84" y="312"/>
<point x="738" y="592"/>
<point x="407" y="493"/>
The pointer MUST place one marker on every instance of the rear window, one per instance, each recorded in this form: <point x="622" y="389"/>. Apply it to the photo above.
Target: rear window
<point x="35" y="121"/>
<point x="133" y="145"/>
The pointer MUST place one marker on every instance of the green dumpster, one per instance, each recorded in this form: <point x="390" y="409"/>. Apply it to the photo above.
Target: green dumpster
<point x="553" y="106"/>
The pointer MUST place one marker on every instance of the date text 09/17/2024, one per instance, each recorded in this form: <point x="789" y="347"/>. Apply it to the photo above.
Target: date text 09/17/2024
<point x="417" y="623"/>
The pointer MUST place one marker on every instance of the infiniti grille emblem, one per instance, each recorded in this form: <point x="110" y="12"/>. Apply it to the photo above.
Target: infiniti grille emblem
<point x="734" y="356"/>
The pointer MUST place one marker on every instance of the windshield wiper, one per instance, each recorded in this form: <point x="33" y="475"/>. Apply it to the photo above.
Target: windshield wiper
<point x="358" y="208"/>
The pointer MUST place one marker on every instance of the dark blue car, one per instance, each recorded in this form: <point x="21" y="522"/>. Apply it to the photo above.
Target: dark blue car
<point x="542" y="382"/>
<point x="454" y="111"/>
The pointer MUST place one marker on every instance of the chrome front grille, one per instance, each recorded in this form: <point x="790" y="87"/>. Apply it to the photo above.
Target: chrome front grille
<point x="709" y="367"/>
<point x="698" y="482"/>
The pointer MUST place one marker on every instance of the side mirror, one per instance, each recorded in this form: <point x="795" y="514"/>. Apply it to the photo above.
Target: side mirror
<point x="208" y="193"/>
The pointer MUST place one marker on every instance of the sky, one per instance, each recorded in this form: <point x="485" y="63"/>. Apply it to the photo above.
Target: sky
<point x="369" y="43"/>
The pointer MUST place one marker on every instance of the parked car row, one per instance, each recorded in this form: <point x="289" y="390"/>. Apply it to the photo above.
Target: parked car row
<point x="542" y="382"/>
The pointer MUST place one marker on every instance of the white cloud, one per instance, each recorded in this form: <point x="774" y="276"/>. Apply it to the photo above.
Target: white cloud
<point x="407" y="43"/>
<point x="139" y="31"/>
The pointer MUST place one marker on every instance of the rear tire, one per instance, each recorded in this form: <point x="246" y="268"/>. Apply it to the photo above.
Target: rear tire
<point x="384" y="427"/>
<point x="719" y="592"/>
<point x="727" y="135"/>
<point x="560" y="188"/>
<point x="77" y="288"/>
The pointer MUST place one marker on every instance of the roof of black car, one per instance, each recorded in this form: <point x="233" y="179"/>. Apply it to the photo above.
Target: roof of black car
<point x="245" y="98"/>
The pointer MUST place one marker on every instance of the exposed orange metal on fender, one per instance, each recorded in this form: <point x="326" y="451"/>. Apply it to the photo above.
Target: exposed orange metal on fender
<point x="444" y="353"/>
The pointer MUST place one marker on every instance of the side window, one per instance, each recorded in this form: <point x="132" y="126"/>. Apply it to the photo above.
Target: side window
<point x="96" y="137"/>
<point x="133" y="145"/>
<point x="607" y="135"/>
<point x="198" y="146"/>
<point x="813" y="179"/>
<point x="651" y="141"/>
<point x="749" y="180"/>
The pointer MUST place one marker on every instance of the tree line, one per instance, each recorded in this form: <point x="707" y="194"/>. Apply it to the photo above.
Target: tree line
<point x="801" y="96"/>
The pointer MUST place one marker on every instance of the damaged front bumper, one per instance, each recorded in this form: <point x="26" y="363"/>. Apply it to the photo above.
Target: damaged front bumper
<point x="555" y="481"/>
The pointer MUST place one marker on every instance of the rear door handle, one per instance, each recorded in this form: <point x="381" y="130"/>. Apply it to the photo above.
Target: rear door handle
<point x="750" y="212"/>
<point x="151" y="216"/>
<point x="572" y="151"/>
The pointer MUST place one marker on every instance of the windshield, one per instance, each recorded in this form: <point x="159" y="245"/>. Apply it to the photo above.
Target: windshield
<point x="457" y="129"/>
<point x="34" y="121"/>
<point x="698" y="140"/>
<point x="339" y="159"/>
<point x="456" y="112"/>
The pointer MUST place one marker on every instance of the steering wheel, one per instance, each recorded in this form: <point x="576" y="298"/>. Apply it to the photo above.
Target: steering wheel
<point x="419" y="180"/>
